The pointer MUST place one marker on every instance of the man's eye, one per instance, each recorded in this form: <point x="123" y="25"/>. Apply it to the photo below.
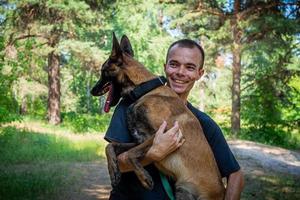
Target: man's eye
<point x="191" y="68"/>
<point x="172" y="65"/>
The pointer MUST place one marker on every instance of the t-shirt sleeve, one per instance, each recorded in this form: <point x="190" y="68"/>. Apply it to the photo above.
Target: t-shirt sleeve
<point x="118" y="129"/>
<point x="225" y="159"/>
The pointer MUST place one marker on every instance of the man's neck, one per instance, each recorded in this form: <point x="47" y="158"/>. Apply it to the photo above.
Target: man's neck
<point x="183" y="97"/>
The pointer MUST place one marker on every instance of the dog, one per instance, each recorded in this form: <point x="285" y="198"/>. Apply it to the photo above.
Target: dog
<point x="192" y="165"/>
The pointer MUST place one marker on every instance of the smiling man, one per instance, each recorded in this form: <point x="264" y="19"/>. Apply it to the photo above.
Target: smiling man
<point x="184" y="66"/>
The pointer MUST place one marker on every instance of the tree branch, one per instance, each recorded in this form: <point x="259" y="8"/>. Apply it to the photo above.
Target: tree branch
<point x="260" y="7"/>
<point x="214" y="11"/>
<point x="21" y="37"/>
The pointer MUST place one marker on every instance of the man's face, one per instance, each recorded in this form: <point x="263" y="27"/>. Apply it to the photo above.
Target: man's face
<point x="183" y="69"/>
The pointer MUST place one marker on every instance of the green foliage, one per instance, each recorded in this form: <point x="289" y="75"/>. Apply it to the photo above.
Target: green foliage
<point x="273" y="136"/>
<point x="270" y="47"/>
<point x="81" y="123"/>
<point x="270" y="60"/>
<point x="140" y="22"/>
<point x="271" y="100"/>
<point x="8" y="104"/>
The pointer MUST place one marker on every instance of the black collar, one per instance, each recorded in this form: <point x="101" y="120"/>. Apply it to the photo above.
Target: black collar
<point x="146" y="87"/>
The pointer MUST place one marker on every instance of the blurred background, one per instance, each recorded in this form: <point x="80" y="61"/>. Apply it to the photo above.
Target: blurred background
<point x="52" y="50"/>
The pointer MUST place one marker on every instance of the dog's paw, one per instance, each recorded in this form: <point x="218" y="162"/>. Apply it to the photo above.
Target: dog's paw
<point x="114" y="173"/>
<point x="115" y="178"/>
<point x="147" y="181"/>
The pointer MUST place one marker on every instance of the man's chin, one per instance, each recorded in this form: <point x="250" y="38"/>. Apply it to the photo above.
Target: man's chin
<point x="178" y="90"/>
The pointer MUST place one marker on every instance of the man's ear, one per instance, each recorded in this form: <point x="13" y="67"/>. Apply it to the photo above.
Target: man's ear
<point x="126" y="46"/>
<point x="200" y="73"/>
<point x="116" y="51"/>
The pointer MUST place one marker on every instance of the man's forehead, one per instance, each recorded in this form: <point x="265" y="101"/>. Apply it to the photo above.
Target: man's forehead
<point x="190" y="53"/>
<point x="178" y="47"/>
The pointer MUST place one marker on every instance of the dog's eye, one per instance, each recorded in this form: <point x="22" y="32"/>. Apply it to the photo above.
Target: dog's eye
<point x="118" y="62"/>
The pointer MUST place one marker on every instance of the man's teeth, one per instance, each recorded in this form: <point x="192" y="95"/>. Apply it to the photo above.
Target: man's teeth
<point x="179" y="81"/>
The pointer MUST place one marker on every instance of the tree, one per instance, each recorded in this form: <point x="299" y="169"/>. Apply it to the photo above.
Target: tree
<point x="271" y="100"/>
<point x="229" y="24"/>
<point x="49" y="23"/>
<point x="140" y="21"/>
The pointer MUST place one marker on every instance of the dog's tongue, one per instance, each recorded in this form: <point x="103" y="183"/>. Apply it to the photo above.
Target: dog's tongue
<point x="108" y="99"/>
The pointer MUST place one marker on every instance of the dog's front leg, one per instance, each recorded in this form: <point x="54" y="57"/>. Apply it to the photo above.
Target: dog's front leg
<point x="112" y="150"/>
<point x="135" y="155"/>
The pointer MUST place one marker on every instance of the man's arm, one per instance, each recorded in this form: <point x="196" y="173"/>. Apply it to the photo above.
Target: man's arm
<point x="164" y="143"/>
<point x="235" y="185"/>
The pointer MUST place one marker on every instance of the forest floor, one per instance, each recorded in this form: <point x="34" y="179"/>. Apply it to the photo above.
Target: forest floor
<point x="270" y="173"/>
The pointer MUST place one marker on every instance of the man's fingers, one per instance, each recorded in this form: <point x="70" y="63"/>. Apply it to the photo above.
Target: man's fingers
<point x="174" y="129"/>
<point x="179" y="136"/>
<point x="162" y="127"/>
<point x="181" y="142"/>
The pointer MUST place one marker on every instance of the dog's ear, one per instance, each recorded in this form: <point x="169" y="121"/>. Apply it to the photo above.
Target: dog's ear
<point x="126" y="46"/>
<point x="116" y="51"/>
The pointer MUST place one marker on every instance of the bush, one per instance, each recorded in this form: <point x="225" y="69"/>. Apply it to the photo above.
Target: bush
<point x="85" y="122"/>
<point x="271" y="136"/>
<point x="8" y="108"/>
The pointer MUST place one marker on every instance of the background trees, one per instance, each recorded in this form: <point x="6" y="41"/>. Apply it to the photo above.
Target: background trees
<point x="38" y="29"/>
<point x="252" y="57"/>
<point x="232" y="29"/>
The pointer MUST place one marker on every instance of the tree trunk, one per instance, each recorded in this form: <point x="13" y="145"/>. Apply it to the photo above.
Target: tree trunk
<point x="88" y="90"/>
<point x="23" y="108"/>
<point x="236" y="73"/>
<point x="54" y="89"/>
<point x="202" y="96"/>
<point x="236" y="91"/>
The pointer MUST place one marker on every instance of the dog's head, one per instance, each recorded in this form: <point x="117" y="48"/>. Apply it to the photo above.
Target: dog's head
<point x="117" y="73"/>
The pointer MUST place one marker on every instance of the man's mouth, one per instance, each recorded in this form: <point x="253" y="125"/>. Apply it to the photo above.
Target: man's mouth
<point x="179" y="81"/>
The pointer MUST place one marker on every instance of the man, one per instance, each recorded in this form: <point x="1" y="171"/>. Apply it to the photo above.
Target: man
<point x="184" y="66"/>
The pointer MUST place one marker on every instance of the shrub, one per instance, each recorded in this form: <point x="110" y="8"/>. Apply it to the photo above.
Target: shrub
<point x="85" y="122"/>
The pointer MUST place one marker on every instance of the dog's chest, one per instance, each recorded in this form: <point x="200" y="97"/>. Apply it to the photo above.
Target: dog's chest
<point x="138" y="122"/>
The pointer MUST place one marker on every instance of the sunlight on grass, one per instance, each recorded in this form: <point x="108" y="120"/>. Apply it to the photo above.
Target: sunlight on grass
<point x="268" y="186"/>
<point x="26" y="142"/>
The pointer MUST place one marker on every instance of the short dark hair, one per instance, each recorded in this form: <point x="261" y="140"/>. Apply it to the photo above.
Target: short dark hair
<point x="187" y="43"/>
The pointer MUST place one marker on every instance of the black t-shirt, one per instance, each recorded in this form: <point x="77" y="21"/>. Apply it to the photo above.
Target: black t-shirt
<point x="130" y="188"/>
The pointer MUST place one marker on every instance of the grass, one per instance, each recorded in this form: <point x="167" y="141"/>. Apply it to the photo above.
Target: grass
<point x="34" y="182"/>
<point x="271" y="186"/>
<point x="21" y="146"/>
<point x="34" y="159"/>
<point x="37" y="162"/>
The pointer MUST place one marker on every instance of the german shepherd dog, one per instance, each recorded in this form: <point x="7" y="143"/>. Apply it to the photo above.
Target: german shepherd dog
<point x="192" y="166"/>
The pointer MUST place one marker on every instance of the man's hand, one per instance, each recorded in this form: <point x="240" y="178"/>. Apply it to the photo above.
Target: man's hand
<point x="165" y="143"/>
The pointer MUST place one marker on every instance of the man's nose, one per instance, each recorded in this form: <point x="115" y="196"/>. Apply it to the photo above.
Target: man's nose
<point x="181" y="70"/>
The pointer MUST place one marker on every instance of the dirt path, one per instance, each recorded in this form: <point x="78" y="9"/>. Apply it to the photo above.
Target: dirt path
<point x="253" y="156"/>
<point x="257" y="161"/>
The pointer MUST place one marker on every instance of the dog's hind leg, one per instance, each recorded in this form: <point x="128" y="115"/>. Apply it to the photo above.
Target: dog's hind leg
<point x="186" y="191"/>
<point x="112" y="150"/>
